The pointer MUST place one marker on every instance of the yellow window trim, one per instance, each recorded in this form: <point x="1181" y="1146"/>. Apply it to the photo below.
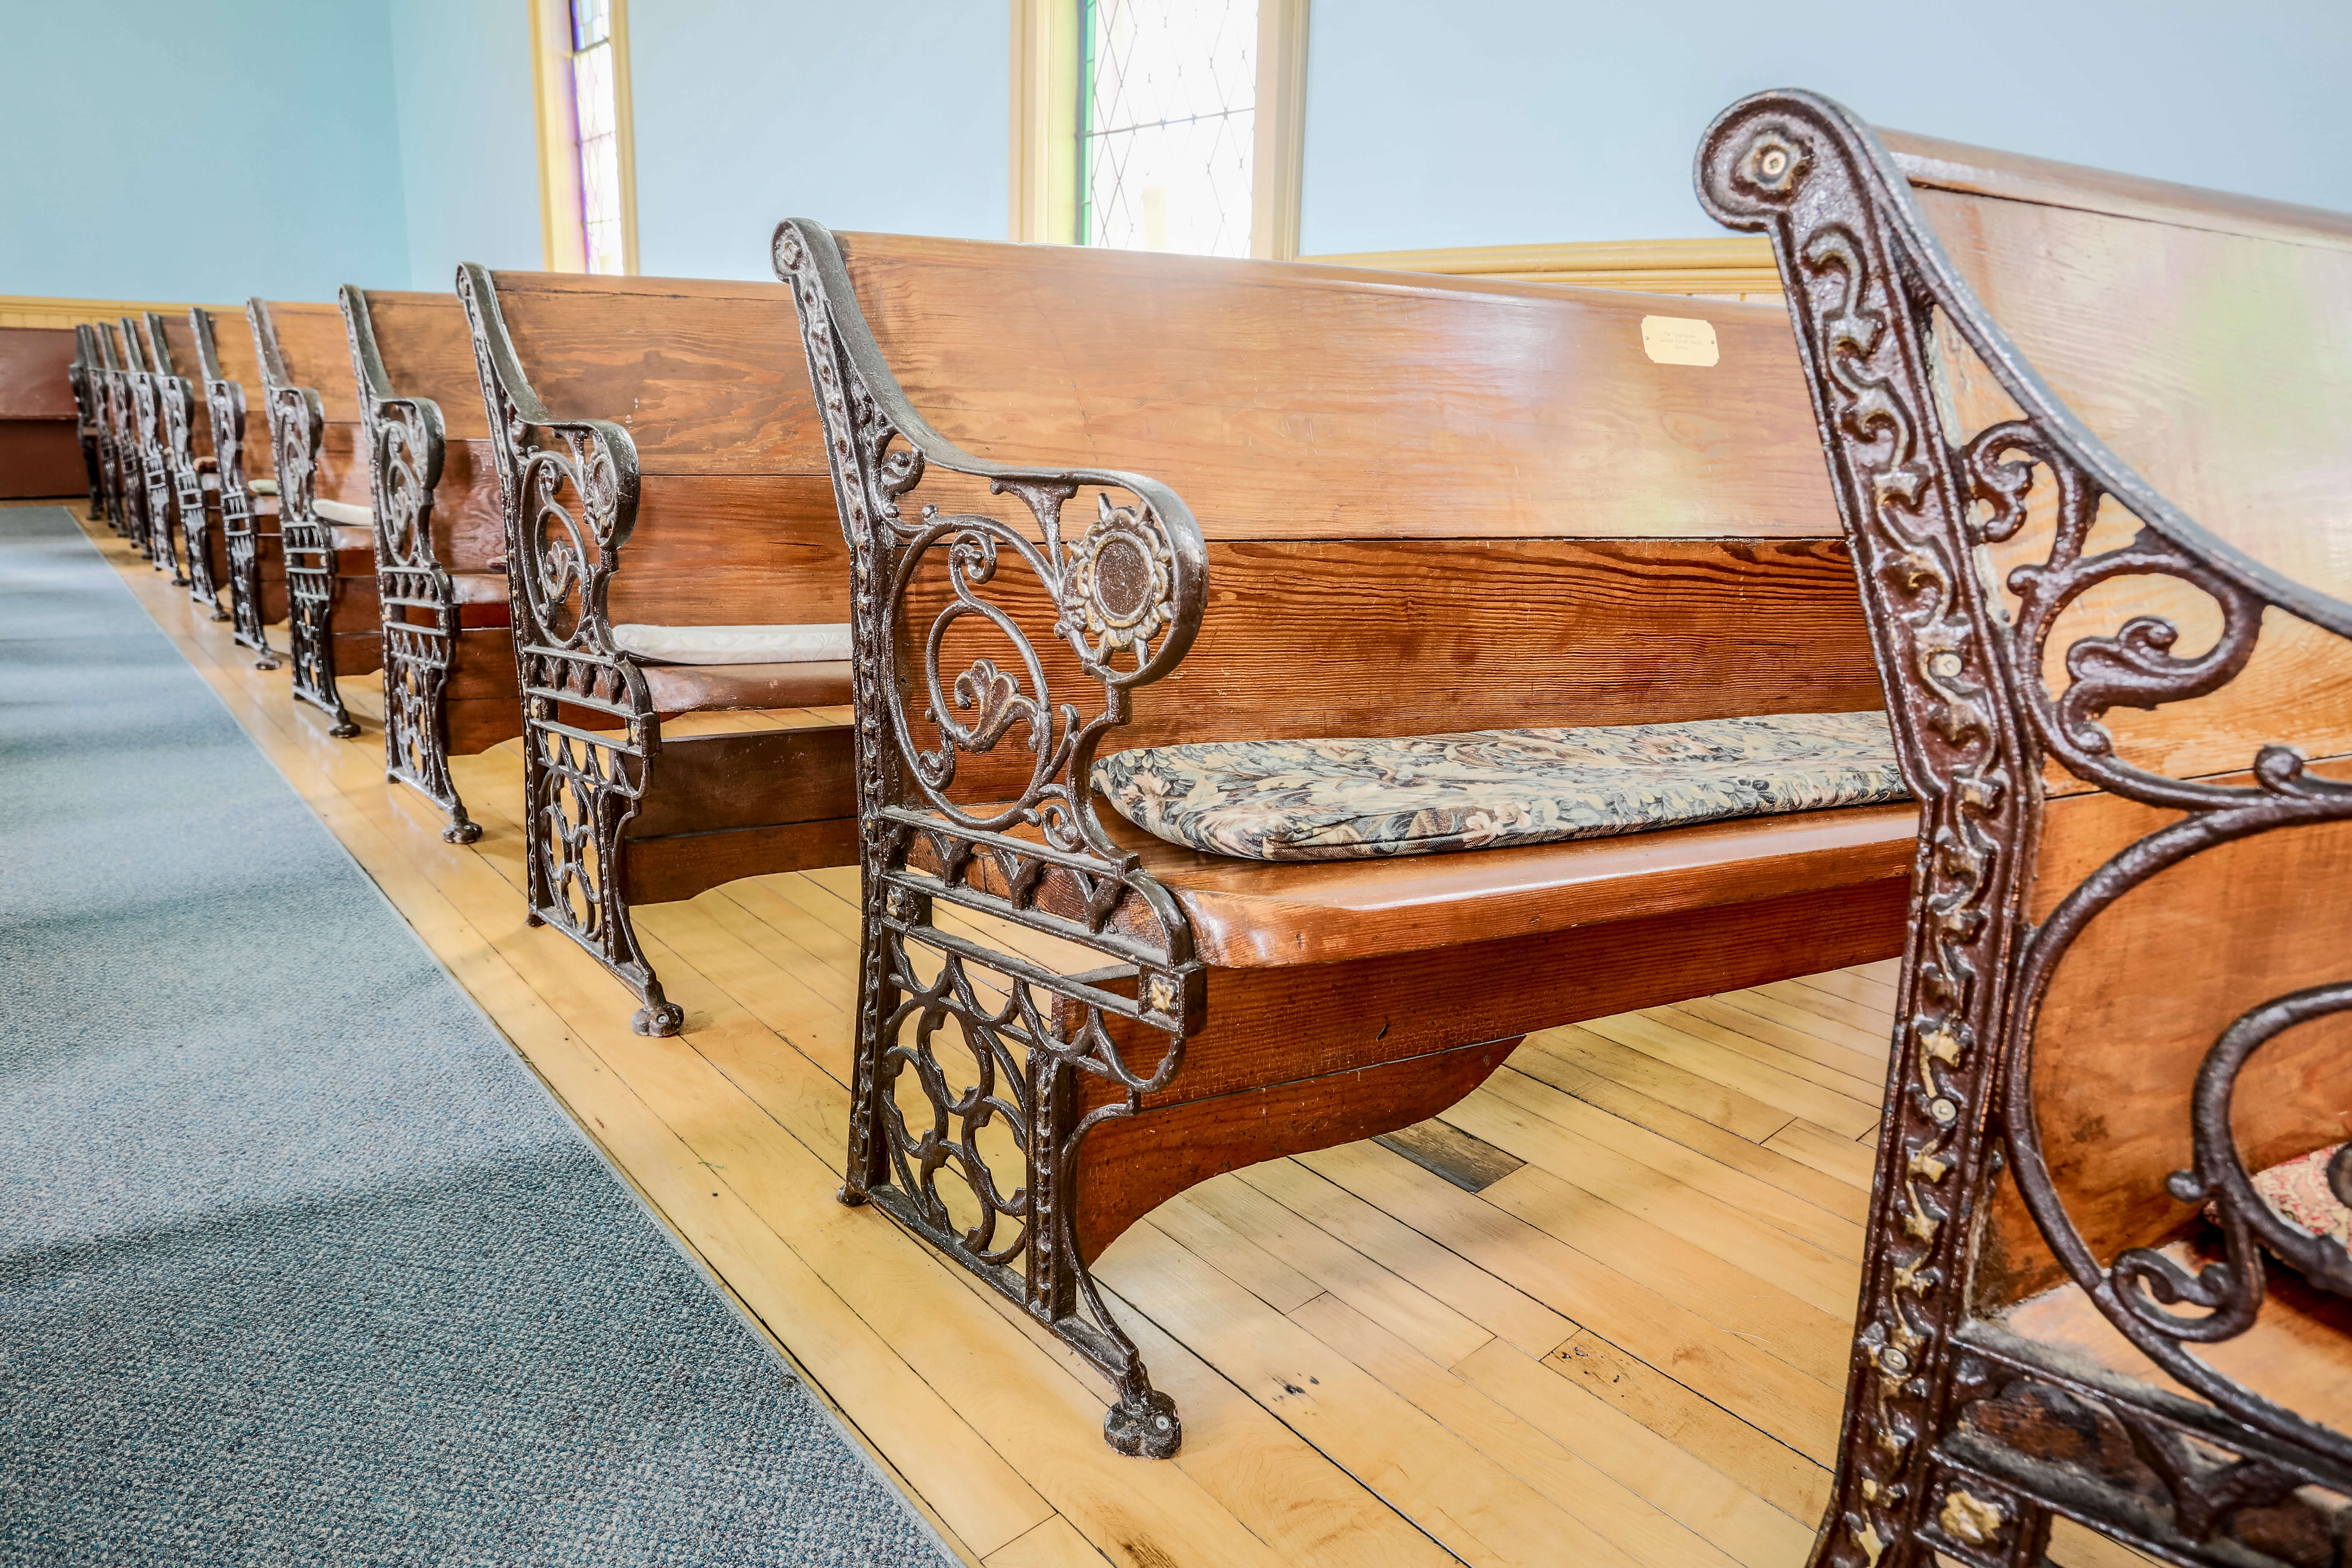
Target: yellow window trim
<point x="563" y="242"/>
<point x="1043" y="188"/>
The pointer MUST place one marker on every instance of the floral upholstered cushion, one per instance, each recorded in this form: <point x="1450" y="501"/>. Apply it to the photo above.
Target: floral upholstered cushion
<point x="1345" y="800"/>
<point x="2298" y="1193"/>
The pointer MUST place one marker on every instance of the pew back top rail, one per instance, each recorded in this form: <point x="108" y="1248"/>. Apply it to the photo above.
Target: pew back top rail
<point x="2086" y="436"/>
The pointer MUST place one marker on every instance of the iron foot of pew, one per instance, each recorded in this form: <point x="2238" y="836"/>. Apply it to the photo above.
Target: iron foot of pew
<point x="266" y="661"/>
<point x="462" y="830"/>
<point x="658" y="1018"/>
<point x="1145" y="1425"/>
<point x="344" y="731"/>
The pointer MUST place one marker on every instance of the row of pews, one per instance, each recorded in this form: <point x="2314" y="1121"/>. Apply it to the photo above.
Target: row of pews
<point x="1163" y="638"/>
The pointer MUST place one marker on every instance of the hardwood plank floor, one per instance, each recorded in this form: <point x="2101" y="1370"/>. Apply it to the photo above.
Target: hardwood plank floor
<point x="1626" y="1346"/>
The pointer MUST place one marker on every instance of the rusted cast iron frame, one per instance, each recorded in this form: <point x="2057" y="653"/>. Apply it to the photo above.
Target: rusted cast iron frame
<point x="155" y="467"/>
<point x="175" y="417"/>
<point x="1974" y="722"/>
<point x="1128" y="593"/>
<point x="298" y="420"/>
<point x="79" y="375"/>
<point x="405" y="445"/>
<point x="102" y="385"/>
<point x="568" y="491"/>
<point x="130" y="483"/>
<point x="224" y="407"/>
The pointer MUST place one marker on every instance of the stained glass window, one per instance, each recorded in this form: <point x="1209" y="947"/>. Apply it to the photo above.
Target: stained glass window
<point x="1167" y="124"/>
<point x="596" y="129"/>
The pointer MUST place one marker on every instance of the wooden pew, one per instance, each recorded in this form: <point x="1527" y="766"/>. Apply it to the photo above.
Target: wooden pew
<point x="40" y="449"/>
<point x="148" y="399"/>
<point x="89" y="415"/>
<point x="2088" y="439"/>
<point x="1424" y="506"/>
<point x="680" y="486"/>
<point x="246" y="499"/>
<point x="186" y="455"/>
<point x="325" y="524"/>
<point x="440" y="547"/>
<point x="126" y="472"/>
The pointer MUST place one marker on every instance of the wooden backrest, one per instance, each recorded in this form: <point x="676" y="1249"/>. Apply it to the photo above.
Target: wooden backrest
<point x="1431" y="504"/>
<point x="421" y="342"/>
<point x="224" y="356"/>
<point x="2186" y="357"/>
<point x="1284" y="400"/>
<point x="735" y="514"/>
<point x="302" y="344"/>
<point x="35" y="380"/>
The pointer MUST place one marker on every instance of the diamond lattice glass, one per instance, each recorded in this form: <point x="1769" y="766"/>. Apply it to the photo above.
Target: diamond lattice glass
<point x="1168" y="124"/>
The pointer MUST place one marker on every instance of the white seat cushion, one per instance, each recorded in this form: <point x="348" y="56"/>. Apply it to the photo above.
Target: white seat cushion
<point x="735" y="645"/>
<point x="344" y="512"/>
<point x="262" y="487"/>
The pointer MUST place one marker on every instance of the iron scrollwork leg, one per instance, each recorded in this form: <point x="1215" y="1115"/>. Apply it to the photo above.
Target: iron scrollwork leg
<point x="416" y="678"/>
<point x="310" y="598"/>
<point x="246" y="615"/>
<point x="582" y="791"/>
<point x="1008" y="1087"/>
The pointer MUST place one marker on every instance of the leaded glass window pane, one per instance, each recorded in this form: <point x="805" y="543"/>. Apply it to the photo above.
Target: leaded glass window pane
<point x="1168" y="124"/>
<point x="595" y="122"/>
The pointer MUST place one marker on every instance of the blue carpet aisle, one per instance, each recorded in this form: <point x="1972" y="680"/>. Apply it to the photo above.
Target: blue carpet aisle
<point x="298" y="1262"/>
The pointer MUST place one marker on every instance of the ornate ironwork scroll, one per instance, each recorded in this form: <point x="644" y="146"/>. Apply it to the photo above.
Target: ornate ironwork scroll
<point x="81" y="375"/>
<point x="224" y="407"/>
<point x="1036" y="1060"/>
<point x="103" y="383"/>
<point x="568" y="492"/>
<point x="175" y="416"/>
<point x="405" y="449"/>
<point x="154" y="458"/>
<point x="1975" y="720"/>
<point x="130" y="473"/>
<point x="297" y="422"/>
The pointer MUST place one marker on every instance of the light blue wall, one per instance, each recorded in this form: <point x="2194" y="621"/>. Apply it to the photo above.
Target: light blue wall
<point x="278" y="173"/>
<point x="1526" y="120"/>
<point x="872" y="114"/>
<point x="468" y="138"/>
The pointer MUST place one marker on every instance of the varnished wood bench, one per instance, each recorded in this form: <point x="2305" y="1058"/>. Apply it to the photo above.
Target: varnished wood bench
<point x="1424" y="506"/>
<point x="245" y="498"/>
<point x="440" y="546"/>
<point x="325" y="522"/>
<point x="185" y="449"/>
<point x="126" y="471"/>
<point x="682" y="485"/>
<point x="2089" y="436"/>
<point x="148" y="398"/>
